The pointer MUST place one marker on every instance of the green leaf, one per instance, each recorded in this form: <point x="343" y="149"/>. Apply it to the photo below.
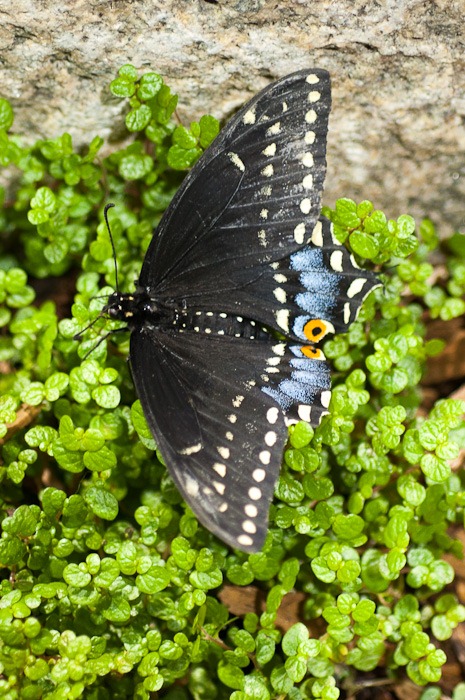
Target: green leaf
<point x="280" y="680"/>
<point x="122" y="87"/>
<point x="209" y="130"/>
<point x="296" y="635"/>
<point x="149" y="86"/>
<point x="156" y="579"/>
<point x="12" y="551"/>
<point x="100" y="461"/>
<point x="348" y="527"/>
<point x="140" y="424"/>
<point x="76" y="576"/>
<point x="106" y="396"/>
<point x="230" y="675"/>
<point x="138" y="118"/>
<point x="102" y="503"/>
<point x="180" y="158"/>
<point x="434" y="468"/>
<point x="265" y="648"/>
<point x="135" y="167"/>
<point x="206" y="580"/>
<point x="364" y="245"/>
<point x="6" y="114"/>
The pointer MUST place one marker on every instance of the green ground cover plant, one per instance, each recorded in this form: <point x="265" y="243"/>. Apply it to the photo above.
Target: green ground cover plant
<point x="109" y="588"/>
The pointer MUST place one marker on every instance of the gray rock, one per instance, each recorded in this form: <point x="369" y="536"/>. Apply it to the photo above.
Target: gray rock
<point x="397" y="132"/>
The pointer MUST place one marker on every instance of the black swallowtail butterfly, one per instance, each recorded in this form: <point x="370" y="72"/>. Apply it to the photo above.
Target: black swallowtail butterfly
<point x="239" y="257"/>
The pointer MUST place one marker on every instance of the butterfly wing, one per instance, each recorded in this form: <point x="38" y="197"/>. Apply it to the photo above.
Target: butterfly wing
<point x="221" y="435"/>
<point x="241" y="203"/>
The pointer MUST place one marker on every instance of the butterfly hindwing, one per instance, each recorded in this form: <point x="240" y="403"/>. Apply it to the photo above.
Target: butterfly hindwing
<point x="227" y="472"/>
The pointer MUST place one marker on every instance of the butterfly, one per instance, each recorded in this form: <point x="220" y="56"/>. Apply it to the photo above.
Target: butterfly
<point x="240" y="283"/>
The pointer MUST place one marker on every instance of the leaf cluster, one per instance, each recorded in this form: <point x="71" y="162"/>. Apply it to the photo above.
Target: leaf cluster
<point x="109" y="586"/>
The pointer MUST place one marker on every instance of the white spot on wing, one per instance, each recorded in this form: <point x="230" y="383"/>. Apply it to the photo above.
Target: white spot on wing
<point x="317" y="235"/>
<point x="251" y="510"/>
<point x="311" y="116"/>
<point x="282" y="319"/>
<point x="232" y="418"/>
<point x="236" y="161"/>
<point x="219" y="487"/>
<point x="356" y="287"/>
<point x="325" y="398"/>
<point x="307" y="160"/>
<point x="314" y="96"/>
<point x="192" y="486"/>
<point x="244" y="540"/>
<point x="309" y="138"/>
<point x="307" y="182"/>
<point x="258" y="475"/>
<point x="299" y="233"/>
<point x="224" y="452"/>
<point x="270" y="150"/>
<point x="249" y="117"/>
<point x="347" y="312"/>
<point x="274" y="129"/>
<point x="264" y="457"/>
<point x="192" y="449"/>
<point x="304" y="412"/>
<point x="305" y="206"/>
<point x="312" y="79"/>
<point x="237" y="401"/>
<point x="220" y="469"/>
<point x="279" y="349"/>
<point x="270" y="438"/>
<point x="336" y="260"/>
<point x="272" y="415"/>
<point x="268" y="170"/>
<point x="255" y="493"/>
<point x="280" y="278"/>
<point x="249" y="526"/>
<point x="280" y="295"/>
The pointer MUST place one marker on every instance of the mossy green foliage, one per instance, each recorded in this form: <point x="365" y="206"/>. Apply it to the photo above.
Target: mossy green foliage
<point x="109" y="585"/>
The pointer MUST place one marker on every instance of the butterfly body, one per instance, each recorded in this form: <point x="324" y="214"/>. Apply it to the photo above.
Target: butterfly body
<point x="239" y="284"/>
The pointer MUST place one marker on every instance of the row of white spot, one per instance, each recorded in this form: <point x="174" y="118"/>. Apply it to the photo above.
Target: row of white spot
<point x="259" y="474"/>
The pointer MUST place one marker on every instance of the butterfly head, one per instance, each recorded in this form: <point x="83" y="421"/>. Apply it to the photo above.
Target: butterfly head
<point x="123" y="307"/>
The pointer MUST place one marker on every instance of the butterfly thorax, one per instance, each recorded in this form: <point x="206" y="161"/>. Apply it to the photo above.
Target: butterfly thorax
<point x="136" y="310"/>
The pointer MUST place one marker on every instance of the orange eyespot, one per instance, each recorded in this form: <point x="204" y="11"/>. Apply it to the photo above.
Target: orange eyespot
<point x="315" y="330"/>
<point x="311" y="352"/>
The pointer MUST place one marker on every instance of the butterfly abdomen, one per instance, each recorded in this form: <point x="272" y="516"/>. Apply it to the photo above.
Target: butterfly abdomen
<point x="219" y="324"/>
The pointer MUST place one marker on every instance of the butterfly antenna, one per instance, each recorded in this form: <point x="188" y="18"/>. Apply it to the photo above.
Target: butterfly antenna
<point x="105" y="214"/>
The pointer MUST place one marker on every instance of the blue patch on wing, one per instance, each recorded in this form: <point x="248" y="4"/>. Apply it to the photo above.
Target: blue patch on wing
<point x="308" y="378"/>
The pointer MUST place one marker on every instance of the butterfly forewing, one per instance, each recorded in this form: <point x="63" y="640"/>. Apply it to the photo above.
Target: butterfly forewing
<point x="240" y="205"/>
